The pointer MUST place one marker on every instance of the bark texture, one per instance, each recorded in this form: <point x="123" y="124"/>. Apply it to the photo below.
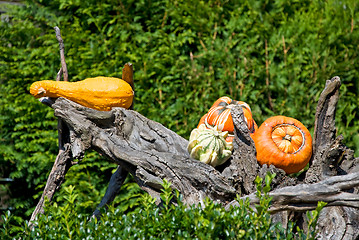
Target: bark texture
<point x="331" y="157"/>
<point x="150" y="153"/>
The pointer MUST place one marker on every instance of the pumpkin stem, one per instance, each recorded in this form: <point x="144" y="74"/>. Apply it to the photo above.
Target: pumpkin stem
<point x="230" y="106"/>
<point x="287" y="137"/>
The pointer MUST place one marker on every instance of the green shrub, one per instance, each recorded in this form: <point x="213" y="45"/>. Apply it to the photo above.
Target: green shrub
<point x="168" y="222"/>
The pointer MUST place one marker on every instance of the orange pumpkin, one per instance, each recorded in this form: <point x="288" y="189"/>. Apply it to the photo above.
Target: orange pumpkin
<point x="283" y="142"/>
<point x="220" y="115"/>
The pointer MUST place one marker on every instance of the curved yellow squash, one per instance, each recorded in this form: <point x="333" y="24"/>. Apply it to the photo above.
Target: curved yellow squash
<point x="100" y="93"/>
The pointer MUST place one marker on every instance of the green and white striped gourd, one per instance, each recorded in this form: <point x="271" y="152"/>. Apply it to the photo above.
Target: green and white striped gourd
<point x="209" y="145"/>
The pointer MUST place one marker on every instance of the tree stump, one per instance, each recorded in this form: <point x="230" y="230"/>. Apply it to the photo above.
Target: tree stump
<point x="150" y="153"/>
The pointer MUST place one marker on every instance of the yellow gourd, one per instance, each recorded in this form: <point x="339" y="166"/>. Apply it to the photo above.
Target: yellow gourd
<point x="100" y="93"/>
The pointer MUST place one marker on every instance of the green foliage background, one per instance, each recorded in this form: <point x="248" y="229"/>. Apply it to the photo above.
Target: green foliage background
<point x="274" y="55"/>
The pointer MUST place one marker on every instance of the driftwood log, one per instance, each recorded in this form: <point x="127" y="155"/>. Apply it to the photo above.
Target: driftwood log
<point x="150" y="153"/>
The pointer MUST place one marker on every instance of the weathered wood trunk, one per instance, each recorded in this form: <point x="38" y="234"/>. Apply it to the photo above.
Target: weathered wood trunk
<point x="331" y="157"/>
<point x="150" y="153"/>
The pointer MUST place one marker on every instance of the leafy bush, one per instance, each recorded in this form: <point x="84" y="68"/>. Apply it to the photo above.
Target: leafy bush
<point x="275" y="55"/>
<point x="168" y="222"/>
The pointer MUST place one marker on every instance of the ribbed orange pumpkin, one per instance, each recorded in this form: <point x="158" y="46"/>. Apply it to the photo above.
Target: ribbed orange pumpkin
<point x="220" y="115"/>
<point x="284" y="142"/>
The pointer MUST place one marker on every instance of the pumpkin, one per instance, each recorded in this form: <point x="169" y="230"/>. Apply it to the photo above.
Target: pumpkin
<point x="219" y="115"/>
<point x="284" y="142"/>
<point x="100" y="93"/>
<point x="209" y="145"/>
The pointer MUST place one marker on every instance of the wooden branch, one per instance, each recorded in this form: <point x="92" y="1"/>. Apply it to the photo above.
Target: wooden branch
<point x="243" y="167"/>
<point x="330" y="158"/>
<point x="328" y="149"/>
<point x="56" y="178"/>
<point x="304" y="197"/>
<point x="324" y="126"/>
<point x="64" y="157"/>
<point x="59" y="75"/>
<point x="62" y="72"/>
<point x="324" y="131"/>
<point x="62" y="55"/>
